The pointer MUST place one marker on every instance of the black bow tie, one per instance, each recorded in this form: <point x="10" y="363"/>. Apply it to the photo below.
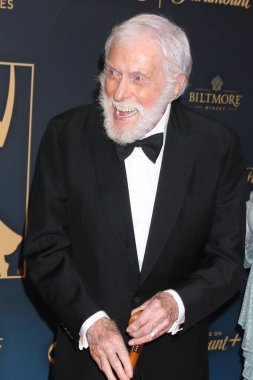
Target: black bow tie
<point x="151" y="146"/>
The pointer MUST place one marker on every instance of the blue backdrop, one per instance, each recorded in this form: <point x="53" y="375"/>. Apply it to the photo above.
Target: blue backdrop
<point x="49" y="54"/>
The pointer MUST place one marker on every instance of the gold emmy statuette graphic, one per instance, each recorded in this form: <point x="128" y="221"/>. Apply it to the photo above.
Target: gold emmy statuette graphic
<point x="9" y="241"/>
<point x="6" y="121"/>
<point x="250" y="175"/>
<point x="51" y="352"/>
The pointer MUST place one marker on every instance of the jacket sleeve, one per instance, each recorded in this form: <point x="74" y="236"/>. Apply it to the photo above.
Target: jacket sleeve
<point x="220" y="274"/>
<point x="47" y="247"/>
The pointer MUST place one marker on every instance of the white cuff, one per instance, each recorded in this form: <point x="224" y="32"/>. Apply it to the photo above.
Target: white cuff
<point x="177" y="325"/>
<point x="83" y="343"/>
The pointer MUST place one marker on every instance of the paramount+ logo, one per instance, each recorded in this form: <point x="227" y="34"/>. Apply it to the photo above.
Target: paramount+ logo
<point x="215" y="98"/>
<point x="220" y="342"/>
<point x="16" y="100"/>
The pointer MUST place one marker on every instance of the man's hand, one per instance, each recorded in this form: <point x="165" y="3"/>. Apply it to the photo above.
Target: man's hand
<point x="158" y="314"/>
<point x="108" y="350"/>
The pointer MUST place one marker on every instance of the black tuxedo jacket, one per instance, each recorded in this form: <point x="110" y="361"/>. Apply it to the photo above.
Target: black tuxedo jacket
<point x="80" y="245"/>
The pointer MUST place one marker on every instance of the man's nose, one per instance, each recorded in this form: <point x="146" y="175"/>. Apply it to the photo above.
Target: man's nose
<point x="122" y="90"/>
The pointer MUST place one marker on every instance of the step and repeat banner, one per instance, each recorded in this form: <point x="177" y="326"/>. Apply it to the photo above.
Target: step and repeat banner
<point x="49" y="61"/>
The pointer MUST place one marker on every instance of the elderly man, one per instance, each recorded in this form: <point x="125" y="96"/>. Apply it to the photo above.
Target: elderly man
<point x="137" y="206"/>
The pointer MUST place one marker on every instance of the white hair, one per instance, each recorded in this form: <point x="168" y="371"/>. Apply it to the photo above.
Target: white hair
<point x="171" y="39"/>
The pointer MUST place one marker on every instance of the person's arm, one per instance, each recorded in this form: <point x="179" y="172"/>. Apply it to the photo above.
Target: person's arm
<point x="220" y="272"/>
<point x="48" y="253"/>
<point x="83" y="341"/>
<point x="249" y="233"/>
<point x="48" y="246"/>
<point x="177" y="325"/>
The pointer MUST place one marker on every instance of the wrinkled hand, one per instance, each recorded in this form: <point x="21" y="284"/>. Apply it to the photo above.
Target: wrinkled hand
<point x="158" y="314"/>
<point x="108" y="350"/>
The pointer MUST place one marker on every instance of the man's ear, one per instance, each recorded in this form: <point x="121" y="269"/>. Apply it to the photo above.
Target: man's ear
<point x="179" y="84"/>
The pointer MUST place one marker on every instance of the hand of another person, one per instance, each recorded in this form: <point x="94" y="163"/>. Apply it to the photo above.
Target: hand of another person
<point x="108" y="350"/>
<point x="158" y="314"/>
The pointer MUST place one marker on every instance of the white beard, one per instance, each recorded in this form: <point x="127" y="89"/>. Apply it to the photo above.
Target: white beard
<point x="148" y="118"/>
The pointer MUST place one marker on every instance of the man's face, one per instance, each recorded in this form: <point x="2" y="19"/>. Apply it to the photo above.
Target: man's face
<point x="133" y="86"/>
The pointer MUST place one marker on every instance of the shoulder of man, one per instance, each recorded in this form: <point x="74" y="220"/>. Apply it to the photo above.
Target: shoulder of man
<point x="207" y="128"/>
<point x="77" y="115"/>
<point x="69" y="128"/>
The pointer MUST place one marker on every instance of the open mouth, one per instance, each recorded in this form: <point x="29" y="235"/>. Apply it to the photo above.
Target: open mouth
<point x="122" y="113"/>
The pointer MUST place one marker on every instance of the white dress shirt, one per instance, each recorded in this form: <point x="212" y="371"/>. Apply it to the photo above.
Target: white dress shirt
<point x="142" y="178"/>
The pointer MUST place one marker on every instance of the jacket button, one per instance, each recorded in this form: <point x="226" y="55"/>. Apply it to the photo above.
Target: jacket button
<point x="137" y="300"/>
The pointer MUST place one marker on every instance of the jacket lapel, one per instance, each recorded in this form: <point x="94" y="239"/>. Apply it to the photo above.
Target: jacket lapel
<point x="179" y="156"/>
<point x="111" y="176"/>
